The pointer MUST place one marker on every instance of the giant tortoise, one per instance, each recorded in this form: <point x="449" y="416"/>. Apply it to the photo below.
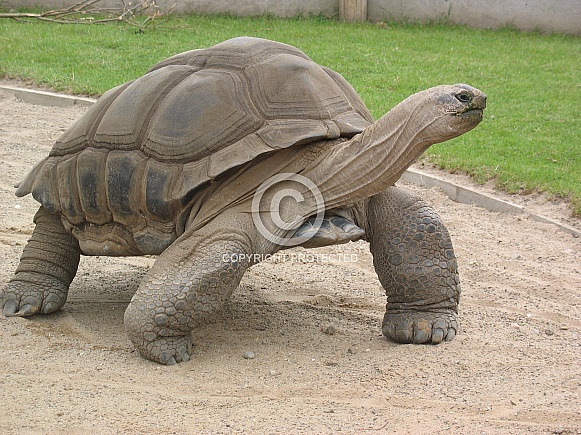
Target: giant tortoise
<point x="172" y="164"/>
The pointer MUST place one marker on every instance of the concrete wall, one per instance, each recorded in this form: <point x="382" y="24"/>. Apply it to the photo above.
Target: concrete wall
<point x="285" y="8"/>
<point x="557" y="16"/>
<point x="281" y="8"/>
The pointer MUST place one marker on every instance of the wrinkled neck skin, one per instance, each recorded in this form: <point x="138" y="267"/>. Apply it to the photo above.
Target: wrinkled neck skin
<point x="375" y="159"/>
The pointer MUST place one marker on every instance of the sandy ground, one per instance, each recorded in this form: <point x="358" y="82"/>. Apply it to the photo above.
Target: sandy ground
<point x="514" y="368"/>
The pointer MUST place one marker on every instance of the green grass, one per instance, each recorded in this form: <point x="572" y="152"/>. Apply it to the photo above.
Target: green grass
<point x="530" y="139"/>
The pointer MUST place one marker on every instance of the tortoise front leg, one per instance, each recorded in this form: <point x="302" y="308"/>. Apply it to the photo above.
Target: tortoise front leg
<point x="416" y="265"/>
<point x="47" y="266"/>
<point x="188" y="283"/>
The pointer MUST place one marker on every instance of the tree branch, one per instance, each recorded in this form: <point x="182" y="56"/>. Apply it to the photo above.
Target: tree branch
<point x="141" y="14"/>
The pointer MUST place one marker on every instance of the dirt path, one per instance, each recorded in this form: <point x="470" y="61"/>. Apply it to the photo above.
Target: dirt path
<point x="514" y="368"/>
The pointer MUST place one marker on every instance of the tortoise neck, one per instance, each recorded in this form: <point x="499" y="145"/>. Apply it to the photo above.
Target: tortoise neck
<point x="375" y="159"/>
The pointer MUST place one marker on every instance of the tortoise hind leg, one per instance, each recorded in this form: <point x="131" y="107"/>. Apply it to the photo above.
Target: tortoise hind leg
<point x="47" y="267"/>
<point x="416" y="265"/>
<point x="188" y="283"/>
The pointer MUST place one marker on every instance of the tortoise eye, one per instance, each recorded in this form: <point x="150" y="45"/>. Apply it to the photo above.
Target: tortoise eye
<point x="464" y="97"/>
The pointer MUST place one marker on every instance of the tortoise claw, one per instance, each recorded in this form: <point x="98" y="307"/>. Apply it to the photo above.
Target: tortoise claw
<point x="10" y="309"/>
<point x="437" y="336"/>
<point x="27" y="310"/>
<point x="52" y="302"/>
<point x="167" y="359"/>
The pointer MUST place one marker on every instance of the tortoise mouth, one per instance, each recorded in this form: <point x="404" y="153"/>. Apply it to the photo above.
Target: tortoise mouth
<point x="472" y="114"/>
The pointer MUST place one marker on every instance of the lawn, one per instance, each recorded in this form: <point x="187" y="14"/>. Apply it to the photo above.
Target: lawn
<point x="529" y="141"/>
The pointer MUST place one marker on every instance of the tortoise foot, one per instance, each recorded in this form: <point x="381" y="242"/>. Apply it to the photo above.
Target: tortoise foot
<point x="167" y="350"/>
<point x="420" y="327"/>
<point x="20" y="299"/>
<point x="170" y="350"/>
<point x="157" y="342"/>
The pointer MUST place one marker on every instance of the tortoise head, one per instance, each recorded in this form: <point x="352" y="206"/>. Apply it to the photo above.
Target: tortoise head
<point x="446" y="111"/>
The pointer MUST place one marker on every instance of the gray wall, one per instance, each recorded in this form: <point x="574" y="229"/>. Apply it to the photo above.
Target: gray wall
<point x="558" y="16"/>
<point x="281" y="8"/>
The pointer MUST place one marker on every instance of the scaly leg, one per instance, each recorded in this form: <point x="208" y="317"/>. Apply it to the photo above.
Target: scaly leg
<point x="416" y="265"/>
<point x="48" y="265"/>
<point x="188" y="283"/>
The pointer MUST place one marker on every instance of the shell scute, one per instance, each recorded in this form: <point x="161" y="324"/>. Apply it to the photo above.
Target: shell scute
<point x="200" y="116"/>
<point x="68" y="192"/>
<point x="128" y="115"/>
<point x="158" y="178"/>
<point x="304" y="91"/>
<point x="124" y="174"/>
<point x="81" y="134"/>
<point x="91" y="184"/>
<point x="359" y="114"/>
<point x="288" y="132"/>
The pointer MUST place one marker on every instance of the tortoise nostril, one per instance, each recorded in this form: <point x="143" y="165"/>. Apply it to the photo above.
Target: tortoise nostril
<point x="480" y="101"/>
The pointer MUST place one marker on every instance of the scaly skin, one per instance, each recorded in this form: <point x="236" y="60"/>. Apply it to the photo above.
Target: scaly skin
<point x="188" y="283"/>
<point x="416" y="265"/>
<point x="48" y="265"/>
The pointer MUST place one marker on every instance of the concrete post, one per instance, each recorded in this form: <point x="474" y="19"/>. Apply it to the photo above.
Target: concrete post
<point x="353" y="10"/>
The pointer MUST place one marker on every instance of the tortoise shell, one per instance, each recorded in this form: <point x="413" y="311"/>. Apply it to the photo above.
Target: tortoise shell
<point x="126" y="170"/>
